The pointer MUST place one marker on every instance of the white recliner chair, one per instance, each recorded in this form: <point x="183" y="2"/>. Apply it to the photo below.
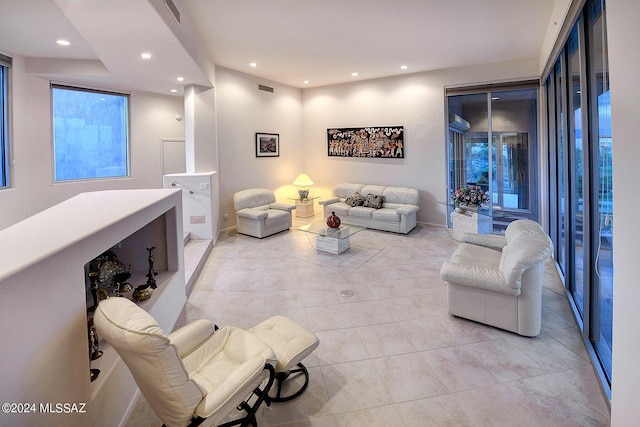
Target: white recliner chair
<point x="192" y="374"/>
<point x="497" y="280"/>
<point x="259" y="215"/>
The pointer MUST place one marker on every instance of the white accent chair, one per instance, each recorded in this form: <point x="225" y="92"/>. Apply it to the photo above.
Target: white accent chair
<point x="192" y="374"/>
<point x="259" y="215"/>
<point x="497" y="280"/>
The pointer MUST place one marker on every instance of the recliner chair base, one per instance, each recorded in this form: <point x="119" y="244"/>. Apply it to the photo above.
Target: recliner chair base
<point x="281" y="377"/>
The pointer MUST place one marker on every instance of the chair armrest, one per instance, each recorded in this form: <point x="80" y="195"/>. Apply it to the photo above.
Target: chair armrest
<point x="252" y="213"/>
<point x="282" y="206"/>
<point x="190" y="336"/>
<point x="407" y="209"/>
<point x="476" y="277"/>
<point x="492" y="241"/>
<point x="328" y="201"/>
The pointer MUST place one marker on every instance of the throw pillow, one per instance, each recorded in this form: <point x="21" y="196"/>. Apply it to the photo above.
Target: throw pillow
<point x="356" y="199"/>
<point x="373" y="201"/>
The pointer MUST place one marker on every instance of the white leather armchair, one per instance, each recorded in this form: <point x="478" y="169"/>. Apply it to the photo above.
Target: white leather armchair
<point x="192" y="374"/>
<point x="497" y="280"/>
<point x="259" y="215"/>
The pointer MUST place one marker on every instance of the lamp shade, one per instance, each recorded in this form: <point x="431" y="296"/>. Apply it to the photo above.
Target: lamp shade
<point x="303" y="180"/>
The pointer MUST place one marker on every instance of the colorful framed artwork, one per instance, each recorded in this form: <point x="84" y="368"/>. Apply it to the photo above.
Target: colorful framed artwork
<point x="382" y="142"/>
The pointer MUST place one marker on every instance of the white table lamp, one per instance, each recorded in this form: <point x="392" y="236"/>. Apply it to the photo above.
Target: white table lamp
<point x="303" y="181"/>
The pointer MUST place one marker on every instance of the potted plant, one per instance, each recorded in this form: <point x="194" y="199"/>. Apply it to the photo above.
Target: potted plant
<point x="470" y="197"/>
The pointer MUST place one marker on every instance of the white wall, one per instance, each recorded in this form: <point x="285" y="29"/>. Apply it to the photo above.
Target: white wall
<point x="624" y="62"/>
<point x="152" y="118"/>
<point x="415" y="101"/>
<point x="244" y="110"/>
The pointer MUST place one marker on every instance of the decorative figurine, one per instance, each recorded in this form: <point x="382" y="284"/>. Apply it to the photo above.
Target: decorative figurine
<point x="151" y="281"/>
<point x="110" y="273"/>
<point x="94" y="351"/>
<point x="121" y="281"/>
<point x="93" y="277"/>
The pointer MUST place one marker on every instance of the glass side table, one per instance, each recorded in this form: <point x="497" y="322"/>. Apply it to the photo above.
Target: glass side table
<point x="331" y="240"/>
<point x="304" y="208"/>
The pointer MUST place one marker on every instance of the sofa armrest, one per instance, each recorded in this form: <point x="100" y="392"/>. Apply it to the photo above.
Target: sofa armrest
<point x="282" y="206"/>
<point x="252" y="213"/>
<point x="492" y="241"/>
<point x="476" y="277"/>
<point x="328" y="201"/>
<point x="190" y="336"/>
<point x="407" y="209"/>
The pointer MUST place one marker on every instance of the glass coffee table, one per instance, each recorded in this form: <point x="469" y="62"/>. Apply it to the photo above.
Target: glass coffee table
<point x="331" y="240"/>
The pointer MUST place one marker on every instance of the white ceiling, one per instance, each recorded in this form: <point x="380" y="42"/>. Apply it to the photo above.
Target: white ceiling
<point x="322" y="41"/>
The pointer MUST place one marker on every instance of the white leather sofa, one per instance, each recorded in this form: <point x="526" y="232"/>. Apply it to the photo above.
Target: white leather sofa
<point x="259" y="215"/>
<point x="497" y="280"/>
<point x="397" y="211"/>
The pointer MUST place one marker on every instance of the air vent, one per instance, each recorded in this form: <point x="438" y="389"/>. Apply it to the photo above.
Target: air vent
<point x="173" y="9"/>
<point x="458" y="123"/>
<point x="265" y="88"/>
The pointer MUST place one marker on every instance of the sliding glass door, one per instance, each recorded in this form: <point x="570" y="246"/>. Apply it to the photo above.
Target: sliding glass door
<point x="506" y="168"/>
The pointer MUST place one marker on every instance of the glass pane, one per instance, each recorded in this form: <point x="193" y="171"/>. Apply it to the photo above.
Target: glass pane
<point x="477" y="160"/>
<point x="4" y="143"/>
<point x="514" y="126"/>
<point x="603" y="280"/>
<point x="468" y="151"/>
<point x="561" y="171"/>
<point x="90" y="134"/>
<point x="575" y="117"/>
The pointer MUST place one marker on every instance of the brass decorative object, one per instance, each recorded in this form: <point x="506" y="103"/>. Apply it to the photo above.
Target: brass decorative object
<point x="94" y="350"/>
<point x="151" y="281"/>
<point x="111" y="273"/>
<point x="93" y="277"/>
<point x="142" y="292"/>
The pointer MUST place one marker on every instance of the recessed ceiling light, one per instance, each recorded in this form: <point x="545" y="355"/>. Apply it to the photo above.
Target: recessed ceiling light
<point x="146" y="55"/>
<point x="306" y="82"/>
<point x="354" y="74"/>
<point x="180" y="78"/>
<point x="253" y="64"/>
<point x="174" y="90"/>
<point x="403" y="67"/>
<point x="62" y="42"/>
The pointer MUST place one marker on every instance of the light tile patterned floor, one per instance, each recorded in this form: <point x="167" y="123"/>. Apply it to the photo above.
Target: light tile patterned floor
<point x="390" y="355"/>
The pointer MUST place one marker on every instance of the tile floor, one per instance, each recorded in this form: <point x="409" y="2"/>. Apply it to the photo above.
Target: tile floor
<point x="390" y="355"/>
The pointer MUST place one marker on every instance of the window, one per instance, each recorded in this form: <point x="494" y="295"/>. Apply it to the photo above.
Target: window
<point x="581" y="188"/>
<point x="5" y="63"/>
<point x="90" y="134"/>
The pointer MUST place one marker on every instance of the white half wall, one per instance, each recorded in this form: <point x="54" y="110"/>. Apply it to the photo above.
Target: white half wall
<point x="152" y="118"/>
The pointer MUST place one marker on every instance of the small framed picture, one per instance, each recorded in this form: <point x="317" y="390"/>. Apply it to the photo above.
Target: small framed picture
<point x="267" y="144"/>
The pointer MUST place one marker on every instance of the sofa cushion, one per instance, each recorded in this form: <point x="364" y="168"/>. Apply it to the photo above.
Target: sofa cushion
<point x="361" y="212"/>
<point x="346" y="189"/>
<point x="386" y="214"/>
<point x="373" y="201"/>
<point x="356" y="199"/>
<point x="340" y="208"/>
<point x="378" y="190"/>
<point x="402" y="195"/>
